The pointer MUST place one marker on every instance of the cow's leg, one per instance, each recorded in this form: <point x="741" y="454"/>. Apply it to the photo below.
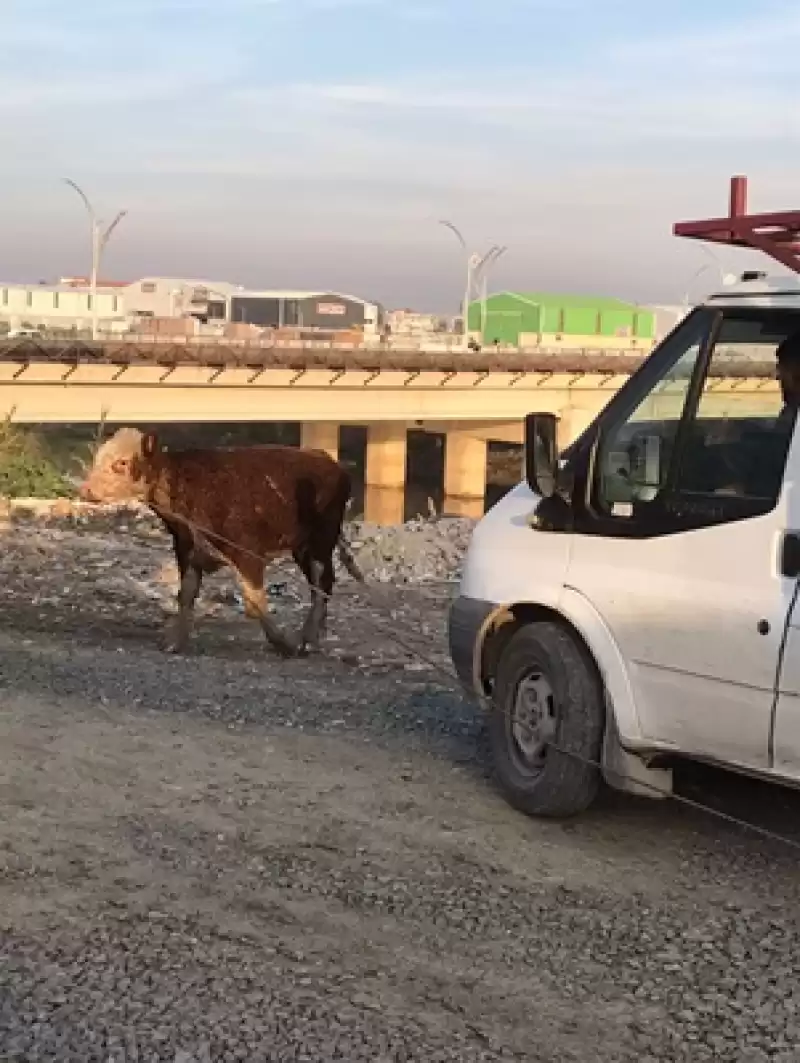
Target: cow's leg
<point x="178" y="636"/>
<point x="319" y="574"/>
<point x="314" y="623"/>
<point x="191" y="577"/>
<point x="326" y="582"/>
<point x="254" y="597"/>
<point x="326" y="585"/>
<point x="251" y="611"/>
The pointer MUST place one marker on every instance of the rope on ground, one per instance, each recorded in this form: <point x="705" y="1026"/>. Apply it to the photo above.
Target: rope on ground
<point x="450" y="682"/>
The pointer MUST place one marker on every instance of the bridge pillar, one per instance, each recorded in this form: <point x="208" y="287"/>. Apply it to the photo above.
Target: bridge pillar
<point x="384" y="505"/>
<point x="464" y="466"/>
<point x="386" y="454"/>
<point x="320" y="435"/>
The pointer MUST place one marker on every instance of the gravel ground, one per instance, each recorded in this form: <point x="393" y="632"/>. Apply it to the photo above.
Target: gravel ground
<point x="231" y="856"/>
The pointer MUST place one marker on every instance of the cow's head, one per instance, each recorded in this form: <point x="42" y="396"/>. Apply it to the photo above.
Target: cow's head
<point x="121" y="467"/>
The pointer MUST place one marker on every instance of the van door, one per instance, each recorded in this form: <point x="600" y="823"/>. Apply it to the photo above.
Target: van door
<point x="677" y="543"/>
<point x="785" y="733"/>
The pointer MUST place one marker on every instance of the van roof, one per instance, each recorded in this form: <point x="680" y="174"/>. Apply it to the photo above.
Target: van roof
<point x="760" y="290"/>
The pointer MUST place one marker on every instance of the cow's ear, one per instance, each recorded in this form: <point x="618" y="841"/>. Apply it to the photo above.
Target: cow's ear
<point x="149" y="444"/>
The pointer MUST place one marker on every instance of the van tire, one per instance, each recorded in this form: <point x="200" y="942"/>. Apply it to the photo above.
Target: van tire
<point x="547" y="781"/>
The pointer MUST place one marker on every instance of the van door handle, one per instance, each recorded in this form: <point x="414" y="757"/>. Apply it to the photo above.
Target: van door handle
<point x="790" y="555"/>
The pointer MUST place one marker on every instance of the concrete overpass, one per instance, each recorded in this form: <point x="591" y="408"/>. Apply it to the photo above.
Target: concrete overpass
<point x="471" y="397"/>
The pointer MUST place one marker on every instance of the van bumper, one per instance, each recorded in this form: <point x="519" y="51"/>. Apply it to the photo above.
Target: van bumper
<point x="466" y="619"/>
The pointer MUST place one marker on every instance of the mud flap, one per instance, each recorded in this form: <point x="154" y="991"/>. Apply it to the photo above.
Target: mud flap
<point x="625" y="771"/>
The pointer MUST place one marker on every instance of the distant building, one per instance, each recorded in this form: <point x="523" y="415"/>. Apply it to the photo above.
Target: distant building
<point x="85" y="282"/>
<point x="220" y="302"/>
<point x="60" y="308"/>
<point x="667" y="317"/>
<point x="320" y="311"/>
<point x="531" y="319"/>
<point x="412" y="323"/>
<point x="175" y="297"/>
<point x="179" y="306"/>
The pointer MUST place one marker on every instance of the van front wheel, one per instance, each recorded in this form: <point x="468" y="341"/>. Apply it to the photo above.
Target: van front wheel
<point x="547" y="720"/>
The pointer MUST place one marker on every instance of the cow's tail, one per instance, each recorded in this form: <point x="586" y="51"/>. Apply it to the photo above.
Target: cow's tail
<point x="347" y="558"/>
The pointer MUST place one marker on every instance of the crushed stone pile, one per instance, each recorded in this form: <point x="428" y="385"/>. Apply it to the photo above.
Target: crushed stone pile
<point x="418" y="551"/>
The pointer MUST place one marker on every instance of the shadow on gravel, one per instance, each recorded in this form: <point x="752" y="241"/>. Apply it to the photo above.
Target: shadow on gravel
<point x="224" y="635"/>
<point x="230" y="677"/>
<point x="249" y="686"/>
<point x="136" y="629"/>
<point x="730" y="805"/>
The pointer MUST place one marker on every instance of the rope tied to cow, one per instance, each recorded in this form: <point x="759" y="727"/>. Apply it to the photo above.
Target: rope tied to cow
<point x="225" y="546"/>
<point x="449" y="682"/>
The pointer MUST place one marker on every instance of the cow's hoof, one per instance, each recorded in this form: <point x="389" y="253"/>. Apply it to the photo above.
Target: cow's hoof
<point x="287" y="649"/>
<point x="175" y="647"/>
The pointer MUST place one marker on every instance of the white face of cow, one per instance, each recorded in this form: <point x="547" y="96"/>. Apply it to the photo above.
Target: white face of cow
<point x="118" y="473"/>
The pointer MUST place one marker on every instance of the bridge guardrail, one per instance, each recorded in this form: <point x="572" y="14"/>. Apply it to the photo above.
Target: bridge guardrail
<point x="302" y="358"/>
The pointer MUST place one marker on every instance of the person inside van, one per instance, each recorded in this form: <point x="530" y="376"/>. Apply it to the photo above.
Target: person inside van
<point x="733" y="458"/>
<point x="763" y="455"/>
<point x="788" y="373"/>
<point x="748" y="460"/>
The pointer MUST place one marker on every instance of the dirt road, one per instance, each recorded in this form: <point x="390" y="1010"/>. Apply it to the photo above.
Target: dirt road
<point x="233" y="857"/>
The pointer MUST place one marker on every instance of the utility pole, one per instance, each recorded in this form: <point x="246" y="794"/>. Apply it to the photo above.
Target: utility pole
<point x="489" y="259"/>
<point x="477" y="267"/>
<point x="99" y="240"/>
<point x="468" y="288"/>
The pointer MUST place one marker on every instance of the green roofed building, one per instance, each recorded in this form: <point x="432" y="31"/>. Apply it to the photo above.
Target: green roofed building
<point x="531" y="319"/>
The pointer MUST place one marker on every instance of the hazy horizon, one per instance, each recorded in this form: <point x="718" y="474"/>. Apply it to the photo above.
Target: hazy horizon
<point x="316" y="143"/>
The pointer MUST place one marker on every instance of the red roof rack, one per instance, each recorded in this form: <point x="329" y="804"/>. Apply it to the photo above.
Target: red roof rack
<point x="777" y="235"/>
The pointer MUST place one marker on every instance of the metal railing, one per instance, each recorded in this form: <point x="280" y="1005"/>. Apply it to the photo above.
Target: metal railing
<point x="303" y="356"/>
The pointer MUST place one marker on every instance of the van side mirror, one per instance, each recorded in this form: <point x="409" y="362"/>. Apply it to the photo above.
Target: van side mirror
<point x="541" y="453"/>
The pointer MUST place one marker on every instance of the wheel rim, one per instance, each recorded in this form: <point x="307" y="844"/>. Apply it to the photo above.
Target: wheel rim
<point x="533" y="722"/>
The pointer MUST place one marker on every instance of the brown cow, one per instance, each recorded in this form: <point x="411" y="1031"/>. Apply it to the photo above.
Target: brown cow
<point x="237" y="506"/>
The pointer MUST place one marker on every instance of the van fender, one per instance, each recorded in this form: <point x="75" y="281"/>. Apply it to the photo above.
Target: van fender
<point x="622" y="770"/>
<point x="579" y="611"/>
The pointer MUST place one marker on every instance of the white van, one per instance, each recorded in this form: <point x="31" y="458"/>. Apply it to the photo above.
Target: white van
<point x="636" y="599"/>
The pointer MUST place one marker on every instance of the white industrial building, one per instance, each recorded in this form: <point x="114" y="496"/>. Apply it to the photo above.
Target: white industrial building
<point x="67" y="307"/>
<point x="667" y="317"/>
<point x="61" y="308"/>
<point x="175" y="297"/>
<point x="412" y="323"/>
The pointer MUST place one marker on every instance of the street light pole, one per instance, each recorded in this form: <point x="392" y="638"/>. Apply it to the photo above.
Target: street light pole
<point x="468" y="289"/>
<point x="698" y="273"/>
<point x="713" y="257"/>
<point x="477" y="270"/>
<point x="481" y="271"/>
<point x="488" y="260"/>
<point x="99" y="239"/>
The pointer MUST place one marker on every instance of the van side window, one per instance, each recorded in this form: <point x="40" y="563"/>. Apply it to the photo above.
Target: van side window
<point x="736" y="442"/>
<point x="705" y="430"/>
<point x="634" y="456"/>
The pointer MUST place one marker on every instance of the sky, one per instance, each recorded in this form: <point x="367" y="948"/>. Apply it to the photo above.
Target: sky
<point x="319" y="143"/>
